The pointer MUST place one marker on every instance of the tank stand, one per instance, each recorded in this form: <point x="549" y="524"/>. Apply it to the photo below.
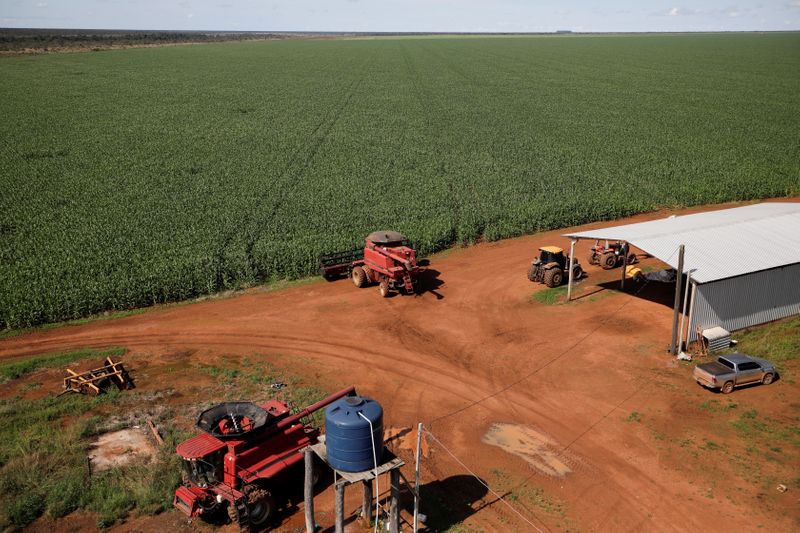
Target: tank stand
<point x="391" y="465"/>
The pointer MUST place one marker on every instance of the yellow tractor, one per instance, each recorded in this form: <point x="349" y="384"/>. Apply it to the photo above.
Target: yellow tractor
<point x="551" y="267"/>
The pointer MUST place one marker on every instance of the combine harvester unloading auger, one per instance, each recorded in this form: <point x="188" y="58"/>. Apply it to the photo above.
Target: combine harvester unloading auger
<point x="387" y="259"/>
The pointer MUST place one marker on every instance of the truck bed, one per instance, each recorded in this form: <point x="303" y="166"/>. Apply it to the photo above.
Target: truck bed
<point x="714" y="368"/>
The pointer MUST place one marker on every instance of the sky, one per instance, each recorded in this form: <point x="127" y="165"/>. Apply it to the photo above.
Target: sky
<point x="405" y="15"/>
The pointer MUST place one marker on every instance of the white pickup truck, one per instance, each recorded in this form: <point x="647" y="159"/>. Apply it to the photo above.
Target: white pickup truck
<point x="734" y="370"/>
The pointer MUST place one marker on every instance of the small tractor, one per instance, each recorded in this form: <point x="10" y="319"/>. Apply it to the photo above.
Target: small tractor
<point x="387" y="259"/>
<point x="245" y="457"/>
<point x="611" y="255"/>
<point x="551" y="267"/>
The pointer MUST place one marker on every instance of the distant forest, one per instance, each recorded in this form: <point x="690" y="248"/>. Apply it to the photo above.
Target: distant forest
<point x="54" y="40"/>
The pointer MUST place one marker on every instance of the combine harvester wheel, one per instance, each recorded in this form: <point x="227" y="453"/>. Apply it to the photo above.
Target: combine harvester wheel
<point x="359" y="277"/>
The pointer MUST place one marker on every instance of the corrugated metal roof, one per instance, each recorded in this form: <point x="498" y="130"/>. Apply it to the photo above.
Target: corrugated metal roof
<point x="719" y="244"/>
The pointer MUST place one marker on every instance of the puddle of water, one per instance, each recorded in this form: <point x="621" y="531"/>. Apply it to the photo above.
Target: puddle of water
<point x="530" y="445"/>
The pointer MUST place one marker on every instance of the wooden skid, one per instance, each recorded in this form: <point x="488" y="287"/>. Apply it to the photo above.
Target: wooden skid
<point x="91" y="380"/>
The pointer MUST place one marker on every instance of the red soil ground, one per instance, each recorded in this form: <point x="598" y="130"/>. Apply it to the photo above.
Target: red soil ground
<point x="593" y="415"/>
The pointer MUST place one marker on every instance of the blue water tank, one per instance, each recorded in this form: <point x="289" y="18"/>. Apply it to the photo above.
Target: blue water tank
<point x="347" y="434"/>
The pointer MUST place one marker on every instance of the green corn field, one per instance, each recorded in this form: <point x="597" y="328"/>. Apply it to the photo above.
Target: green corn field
<point x="139" y="176"/>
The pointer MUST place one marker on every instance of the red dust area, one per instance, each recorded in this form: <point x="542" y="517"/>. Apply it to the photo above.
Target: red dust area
<point x="573" y="413"/>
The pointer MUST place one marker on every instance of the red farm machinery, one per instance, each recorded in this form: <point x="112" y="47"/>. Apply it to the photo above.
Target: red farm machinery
<point x="386" y="259"/>
<point x="610" y="255"/>
<point x="245" y="459"/>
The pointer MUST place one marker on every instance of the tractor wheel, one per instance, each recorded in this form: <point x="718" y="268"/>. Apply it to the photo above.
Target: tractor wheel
<point x="632" y="259"/>
<point x="608" y="260"/>
<point x="577" y="272"/>
<point x="553" y="277"/>
<point x="260" y="506"/>
<point x="592" y="257"/>
<point x="367" y="275"/>
<point x="359" y="277"/>
<point x="384" y="288"/>
<point x="767" y="379"/>
<point x="532" y="272"/>
<point x="727" y="388"/>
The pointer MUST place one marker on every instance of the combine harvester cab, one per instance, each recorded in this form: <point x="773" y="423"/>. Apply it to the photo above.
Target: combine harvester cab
<point x="243" y="458"/>
<point x="387" y="259"/>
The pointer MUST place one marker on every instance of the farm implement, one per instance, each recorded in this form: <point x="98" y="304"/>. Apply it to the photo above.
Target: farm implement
<point x="93" y="381"/>
<point x="386" y="259"/>
<point x="243" y="461"/>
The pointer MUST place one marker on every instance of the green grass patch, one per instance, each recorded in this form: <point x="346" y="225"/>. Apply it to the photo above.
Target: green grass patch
<point x="778" y="342"/>
<point x="549" y="296"/>
<point x="16" y="369"/>
<point x="715" y="406"/>
<point x="634" y="417"/>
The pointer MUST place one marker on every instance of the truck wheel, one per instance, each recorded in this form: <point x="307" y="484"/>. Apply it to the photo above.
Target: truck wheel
<point x="553" y="277"/>
<point x="727" y="388"/>
<point x="384" y="288"/>
<point x="608" y="260"/>
<point x="260" y="506"/>
<point x="767" y="379"/>
<point x="532" y="273"/>
<point x="359" y="277"/>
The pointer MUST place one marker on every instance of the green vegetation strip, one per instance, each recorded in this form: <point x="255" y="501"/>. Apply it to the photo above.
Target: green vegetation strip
<point x="134" y="177"/>
<point x="779" y="342"/>
<point x="17" y="369"/>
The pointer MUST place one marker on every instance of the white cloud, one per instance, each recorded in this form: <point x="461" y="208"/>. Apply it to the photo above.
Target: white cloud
<point x="674" y="12"/>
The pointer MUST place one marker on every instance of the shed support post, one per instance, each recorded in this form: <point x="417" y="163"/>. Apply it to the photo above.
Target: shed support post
<point x="624" y="266"/>
<point x="571" y="265"/>
<point x="366" y="504"/>
<point x="691" y="312"/>
<point x="394" y="504"/>
<point x="683" y="313"/>
<point x="339" y="527"/>
<point x="308" y="491"/>
<point x="678" y="287"/>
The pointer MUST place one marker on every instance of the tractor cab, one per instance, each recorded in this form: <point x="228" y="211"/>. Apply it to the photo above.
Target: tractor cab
<point x="552" y="254"/>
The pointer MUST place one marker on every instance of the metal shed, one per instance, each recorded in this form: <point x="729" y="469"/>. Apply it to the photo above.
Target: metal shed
<point x="743" y="263"/>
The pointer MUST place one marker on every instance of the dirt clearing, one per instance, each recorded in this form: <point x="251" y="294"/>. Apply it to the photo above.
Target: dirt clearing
<point x="574" y="413"/>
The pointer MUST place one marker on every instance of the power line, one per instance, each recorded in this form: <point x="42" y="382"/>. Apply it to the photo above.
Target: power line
<point x="498" y="496"/>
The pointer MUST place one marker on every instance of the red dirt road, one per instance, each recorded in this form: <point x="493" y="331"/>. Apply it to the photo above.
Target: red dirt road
<point x="591" y="408"/>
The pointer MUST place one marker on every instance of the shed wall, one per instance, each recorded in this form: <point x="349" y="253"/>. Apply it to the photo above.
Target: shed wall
<point x="748" y="300"/>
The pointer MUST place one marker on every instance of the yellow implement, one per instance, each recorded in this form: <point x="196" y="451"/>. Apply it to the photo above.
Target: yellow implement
<point x="633" y="272"/>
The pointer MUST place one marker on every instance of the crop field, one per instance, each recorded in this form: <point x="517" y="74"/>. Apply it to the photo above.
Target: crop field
<point x="140" y="176"/>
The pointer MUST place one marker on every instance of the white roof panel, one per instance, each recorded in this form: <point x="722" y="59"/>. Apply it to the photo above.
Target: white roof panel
<point x="718" y="244"/>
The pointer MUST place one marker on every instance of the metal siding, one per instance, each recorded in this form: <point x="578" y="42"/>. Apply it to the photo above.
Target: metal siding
<point x="714" y="239"/>
<point x="745" y="301"/>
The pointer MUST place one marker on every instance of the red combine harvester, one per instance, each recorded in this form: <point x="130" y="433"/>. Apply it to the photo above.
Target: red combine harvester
<point x="387" y="259"/>
<point x="245" y="456"/>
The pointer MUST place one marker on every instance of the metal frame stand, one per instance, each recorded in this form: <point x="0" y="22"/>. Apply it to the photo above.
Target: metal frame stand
<point x="391" y="465"/>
